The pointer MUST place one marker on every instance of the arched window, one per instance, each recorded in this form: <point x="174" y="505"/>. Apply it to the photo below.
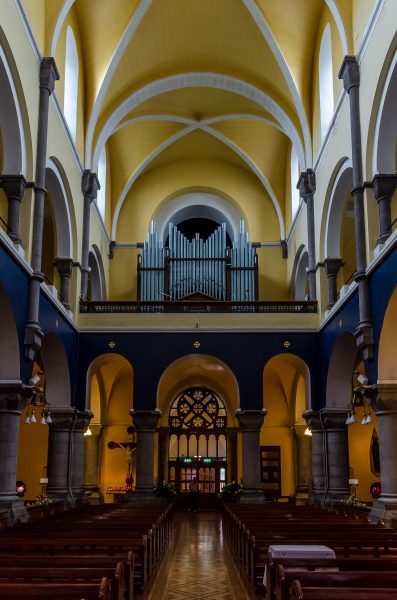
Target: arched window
<point x="326" y="81"/>
<point x="71" y="82"/>
<point x="101" y="197"/>
<point x="295" y="199"/>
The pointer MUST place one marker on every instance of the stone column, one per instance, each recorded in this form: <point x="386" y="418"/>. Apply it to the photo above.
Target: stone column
<point x="331" y="267"/>
<point x="337" y="458"/>
<point x="231" y="444"/>
<point x="145" y="422"/>
<point x="80" y="424"/>
<point x="65" y="269"/>
<point x="383" y="187"/>
<point x="59" y="468"/>
<point x="250" y="422"/>
<point x="385" y="406"/>
<point x="91" y="463"/>
<point x="33" y="332"/>
<point x="307" y="186"/>
<point x="13" y="398"/>
<point x="14" y="187"/>
<point x="313" y="421"/>
<point x="89" y="186"/>
<point x="303" y="445"/>
<point x="350" y="73"/>
<point x="163" y="445"/>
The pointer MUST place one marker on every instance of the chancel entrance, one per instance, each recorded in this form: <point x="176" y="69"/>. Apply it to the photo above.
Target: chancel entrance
<point x="198" y="445"/>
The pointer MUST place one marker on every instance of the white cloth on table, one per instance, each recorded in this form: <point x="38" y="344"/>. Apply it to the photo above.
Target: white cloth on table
<point x="298" y="551"/>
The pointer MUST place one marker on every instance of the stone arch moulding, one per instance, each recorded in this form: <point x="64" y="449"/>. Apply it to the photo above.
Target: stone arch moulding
<point x="11" y="122"/>
<point x="56" y="369"/>
<point x="342" y="185"/>
<point x="299" y="274"/>
<point x="9" y="343"/>
<point x="340" y="372"/>
<point x="198" y="369"/>
<point x="94" y="367"/>
<point x="59" y="193"/>
<point x="191" y="204"/>
<point x="385" y="136"/>
<point x="97" y="274"/>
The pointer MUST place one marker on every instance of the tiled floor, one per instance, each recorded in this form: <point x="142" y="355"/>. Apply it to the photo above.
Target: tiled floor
<point x="198" y="566"/>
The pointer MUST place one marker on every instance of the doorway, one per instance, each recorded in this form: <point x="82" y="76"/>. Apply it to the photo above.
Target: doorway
<point x="198" y="445"/>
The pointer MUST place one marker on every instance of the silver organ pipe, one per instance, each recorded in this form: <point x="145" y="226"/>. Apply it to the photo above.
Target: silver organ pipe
<point x="197" y="266"/>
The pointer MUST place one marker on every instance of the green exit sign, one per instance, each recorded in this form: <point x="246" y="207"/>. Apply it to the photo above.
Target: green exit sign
<point x="207" y="460"/>
<point x="188" y="460"/>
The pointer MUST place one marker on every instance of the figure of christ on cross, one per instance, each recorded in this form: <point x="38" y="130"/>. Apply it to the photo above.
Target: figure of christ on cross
<point x="129" y="447"/>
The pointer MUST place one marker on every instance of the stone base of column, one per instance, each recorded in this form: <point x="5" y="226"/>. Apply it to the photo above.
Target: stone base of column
<point x="62" y="496"/>
<point x="12" y="510"/>
<point x="302" y="495"/>
<point x="92" y="495"/>
<point x="252" y="496"/>
<point x="384" y="511"/>
<point x="332" y="496"/>
<point x="316" y="498"/>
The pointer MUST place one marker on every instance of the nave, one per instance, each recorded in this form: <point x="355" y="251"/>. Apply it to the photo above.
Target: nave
<point x="198" y="564"/>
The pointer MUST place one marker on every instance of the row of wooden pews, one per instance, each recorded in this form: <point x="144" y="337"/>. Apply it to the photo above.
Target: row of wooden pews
<point x="109" y="551"/>
<point x="365" y="560"/>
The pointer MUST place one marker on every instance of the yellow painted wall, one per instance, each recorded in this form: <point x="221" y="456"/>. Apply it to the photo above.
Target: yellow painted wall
<point x="359" y="455"/>
<point x="32" y="454"/>
<point x="35" y="11"/>
<point x="361" y="12"/>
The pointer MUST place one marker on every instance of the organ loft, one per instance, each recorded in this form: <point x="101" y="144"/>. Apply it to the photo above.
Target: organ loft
<point x="197" y="298"/>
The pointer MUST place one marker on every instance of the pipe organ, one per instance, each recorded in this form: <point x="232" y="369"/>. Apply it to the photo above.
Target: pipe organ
<point x="206" y="268"/>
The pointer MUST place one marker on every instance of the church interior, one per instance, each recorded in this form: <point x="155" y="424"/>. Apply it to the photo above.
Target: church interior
<point x="198" y="270"/>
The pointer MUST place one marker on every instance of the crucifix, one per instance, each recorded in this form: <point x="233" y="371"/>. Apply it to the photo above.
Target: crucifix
<point x="129" y="447"/>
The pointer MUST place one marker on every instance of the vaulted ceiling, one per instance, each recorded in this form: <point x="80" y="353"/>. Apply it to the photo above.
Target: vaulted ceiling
<point x="227" y="82"/>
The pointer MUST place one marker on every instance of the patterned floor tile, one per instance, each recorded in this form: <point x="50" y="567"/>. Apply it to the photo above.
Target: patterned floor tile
<point x="198" y="565"/>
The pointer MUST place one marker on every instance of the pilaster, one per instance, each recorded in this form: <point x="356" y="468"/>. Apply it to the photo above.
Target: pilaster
<point x="89" y="186"/>
<point x="337" y="458"/>
<point x="65" y="270"/>
<point x="60" y="458"/>
<point x="91" y="464"/>
<point x="332" y="267"/>
<point x="307" y="186"/>
<point x="383" y="187"/>
<point x="313" y="421"/>
<point x="14" y="187"/>
<point x="303" y="445"/>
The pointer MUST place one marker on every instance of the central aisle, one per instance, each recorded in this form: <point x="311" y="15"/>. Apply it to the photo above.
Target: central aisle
<point x="198" y="565"/>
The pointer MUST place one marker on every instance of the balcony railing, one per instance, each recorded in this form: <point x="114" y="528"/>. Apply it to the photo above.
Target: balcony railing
<point x="195" y="306"/>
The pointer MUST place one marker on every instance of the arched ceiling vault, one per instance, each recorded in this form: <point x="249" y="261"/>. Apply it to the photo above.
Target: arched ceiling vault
<point x="237" y="72"/>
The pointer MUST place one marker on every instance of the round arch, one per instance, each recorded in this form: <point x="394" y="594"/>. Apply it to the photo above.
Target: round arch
<point x="56" y="369"/>
<point x="108" y="368"/>
<point x="385" y="134"/>
<point x="286" y="370"/>
<point x="11" y="120"/>
<point x="340" y="372"/>
<point x="387" y="369"/>
<point x="9" y="343"/>
<point x="340" y="186"/>
<point x="299" y="274"/>
<point x="60" y="197"/>
<point x="188" y="204"/>
<point x="198" y="369"/>
<point x="97" y="274"/>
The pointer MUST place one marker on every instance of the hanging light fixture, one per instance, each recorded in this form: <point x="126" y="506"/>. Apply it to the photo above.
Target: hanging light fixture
<point x="307" y="431"/>
<point x="88" y="431"/>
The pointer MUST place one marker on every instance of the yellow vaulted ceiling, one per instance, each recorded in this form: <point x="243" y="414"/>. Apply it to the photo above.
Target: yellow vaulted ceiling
<point x="238" y="73"/>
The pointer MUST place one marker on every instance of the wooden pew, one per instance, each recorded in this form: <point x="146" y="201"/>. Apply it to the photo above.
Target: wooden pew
<point x="368" y="579"/>
<point x="57" y="591"/>
<point x="326" y="593"/>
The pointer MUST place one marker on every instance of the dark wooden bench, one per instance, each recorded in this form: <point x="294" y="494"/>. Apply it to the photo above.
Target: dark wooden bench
<point x="57" y="591"/>
<point x="339" y="593"/>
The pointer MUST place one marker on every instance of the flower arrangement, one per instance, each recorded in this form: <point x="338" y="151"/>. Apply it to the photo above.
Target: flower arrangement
<point x="165" y="489"/>
<point x="230" y="492"/>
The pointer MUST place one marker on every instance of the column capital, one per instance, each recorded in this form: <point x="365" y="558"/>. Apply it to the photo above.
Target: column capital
<point x="48" y="74"/>
<point x="82" y="419"/>
<point x="383" y="185"/>
<point x="14" y="186"/>
<point x="64" y="266"/>
<point x="300" y="430"/>
<point x="13" y="396"/>
<point x="313" y="420"/>
<point x="334" y="419"/>
<point x="350" y="73"/>
<point x="145" y="420"/>
<point x="250" y="420"/>
<point x="332" y="265"/>
<point x="384" y="400"/>
<point x="90" y="184"/>
<point x="62" y="417"/>
<point x="306" y="184"/>
<point x="96" y="430"/>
